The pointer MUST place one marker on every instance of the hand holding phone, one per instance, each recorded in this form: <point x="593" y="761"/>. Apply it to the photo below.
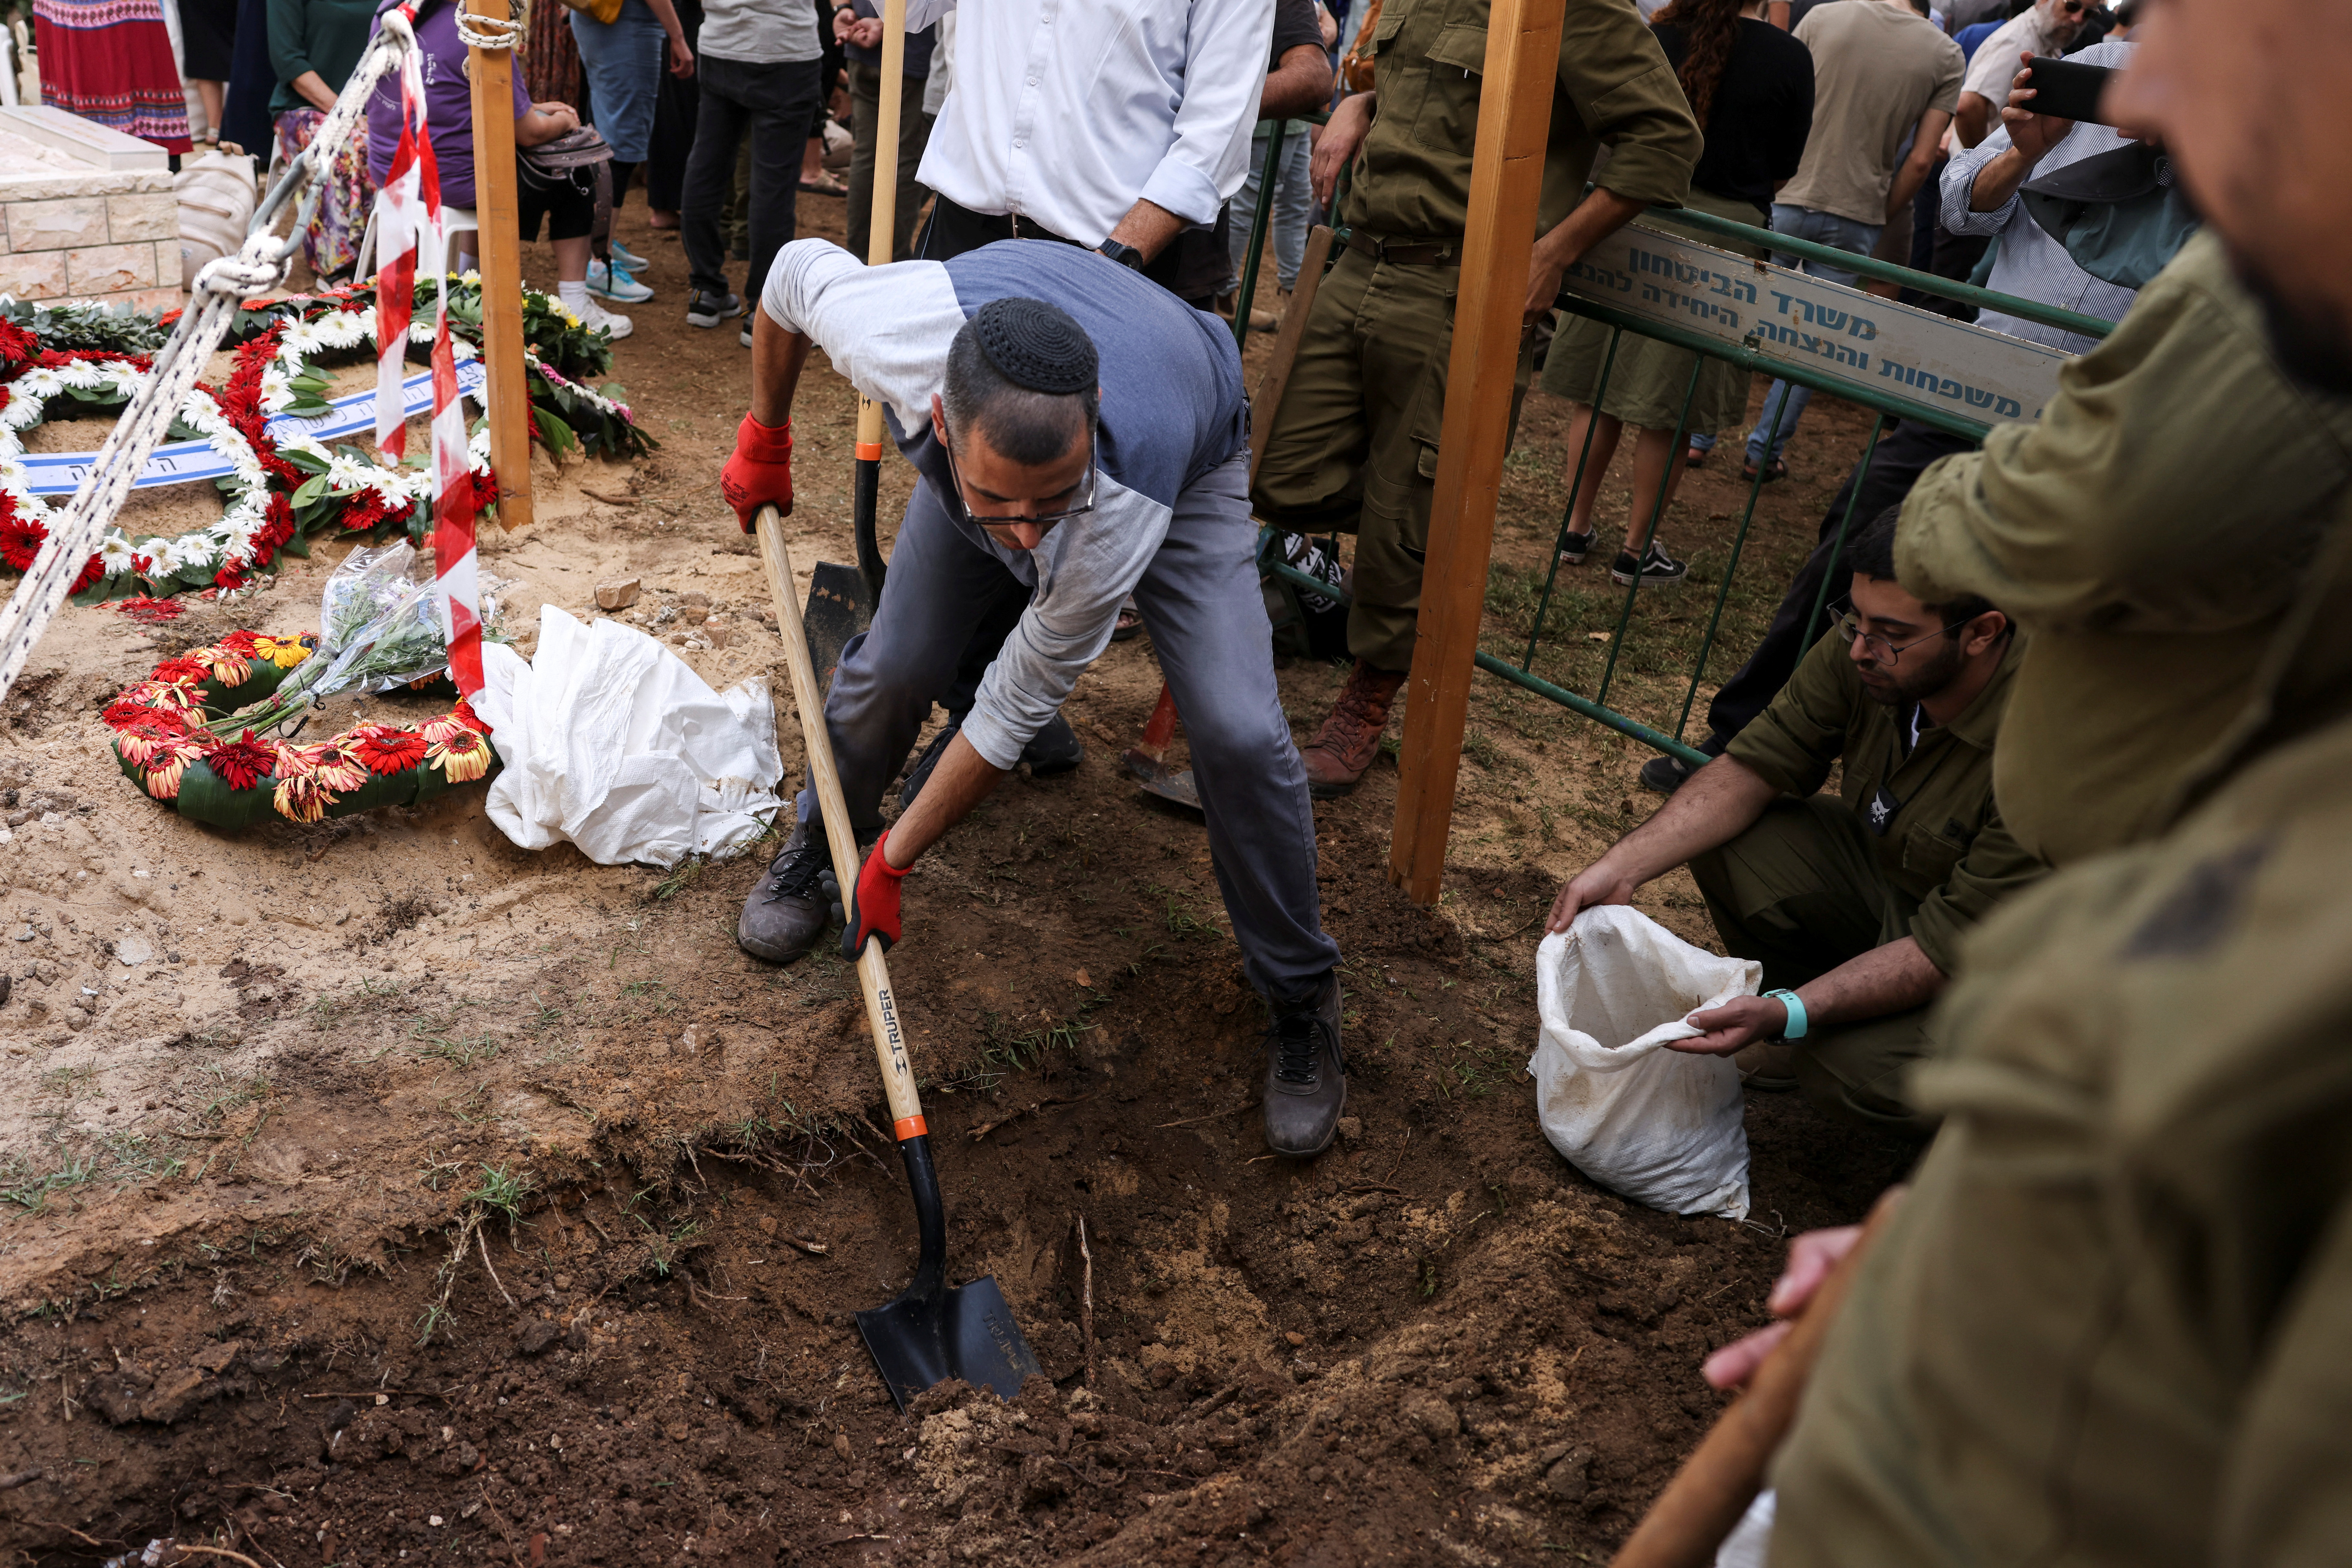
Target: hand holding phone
<point x="2064" y="90"/>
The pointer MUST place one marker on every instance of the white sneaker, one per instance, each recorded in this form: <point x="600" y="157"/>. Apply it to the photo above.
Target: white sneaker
<point x="596" y="318"/>
<point x="613" y="282"/>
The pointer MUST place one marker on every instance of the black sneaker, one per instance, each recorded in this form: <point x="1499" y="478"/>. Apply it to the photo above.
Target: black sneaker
<point x="919" y="774"/>
<point x="704" y="309"/>
<point x="1055" y="749"/>
<point x="1306" y="1081"/>
<point x="1665" y="775"/>
<point x="793" y="901"/>
<point x="1574" y="548"/>
<point x="1656" y="569"/>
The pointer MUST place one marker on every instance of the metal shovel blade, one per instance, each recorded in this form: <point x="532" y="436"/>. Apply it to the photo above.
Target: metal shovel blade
<point x="839" y="607"/>
<point x="969" y="1333"/>
<point x="1157" y="779"/>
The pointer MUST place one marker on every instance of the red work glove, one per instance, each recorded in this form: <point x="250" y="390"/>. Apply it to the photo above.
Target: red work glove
<point x="760" y="470"/>
<point x="873" y="904"/>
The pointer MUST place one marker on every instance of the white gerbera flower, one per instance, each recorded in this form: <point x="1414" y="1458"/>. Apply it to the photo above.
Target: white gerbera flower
<point x="300" y="341"/>
<point x="347" y="329"/>
<point x="38" y="381"/>
<point x="84" y="375"/>
<point x="345" y="472"/>
<point x="277" y="399"/>
<point x="115" y="553"/>
<point x="192" y="549"/>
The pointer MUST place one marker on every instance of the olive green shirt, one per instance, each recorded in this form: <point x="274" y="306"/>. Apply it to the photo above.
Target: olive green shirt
<point x="2148" y="533"/>
<point x="2112" y="1325"/>
<point x="1944" y="843"/>
<point x="1613" y="87"/>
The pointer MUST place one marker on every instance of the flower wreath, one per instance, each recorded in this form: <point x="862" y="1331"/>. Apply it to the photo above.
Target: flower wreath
<point x="32" y="380"/>
<point x="169" y="739"/>
<point x="277" y="498"/>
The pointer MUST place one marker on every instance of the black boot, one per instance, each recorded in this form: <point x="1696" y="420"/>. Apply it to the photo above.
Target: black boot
<point x="1306" y="1085"/>
<point x="793" y="901"/>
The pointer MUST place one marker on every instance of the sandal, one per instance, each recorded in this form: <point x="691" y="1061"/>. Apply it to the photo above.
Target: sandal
<point x="1695" y="457"/>
<point x="1130" y="623"/>
<point x="824" y="184"/>
<point x="1778" y="470"/>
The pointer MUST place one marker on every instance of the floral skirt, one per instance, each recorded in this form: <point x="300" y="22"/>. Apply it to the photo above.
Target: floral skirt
<point x="331" y="242"/>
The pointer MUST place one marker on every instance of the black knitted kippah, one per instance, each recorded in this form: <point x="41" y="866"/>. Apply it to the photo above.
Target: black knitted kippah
<point x="1036" y="345"/>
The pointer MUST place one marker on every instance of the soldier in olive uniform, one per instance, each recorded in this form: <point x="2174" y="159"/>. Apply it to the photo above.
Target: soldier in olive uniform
<point x="2112" y="1325"/>
<point x="2146" y="533"/>
<point x="1354" y="440"/>
<point x="1855" y="906"/>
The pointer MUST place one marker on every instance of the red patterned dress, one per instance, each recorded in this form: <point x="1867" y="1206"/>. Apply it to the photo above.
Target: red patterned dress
<point x="110" y="61"/>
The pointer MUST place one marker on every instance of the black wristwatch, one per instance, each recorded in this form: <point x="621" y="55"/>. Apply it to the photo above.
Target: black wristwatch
<point x="1125" y="255"/>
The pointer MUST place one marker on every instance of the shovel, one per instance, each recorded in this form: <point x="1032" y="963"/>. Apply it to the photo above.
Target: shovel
<point x="932" y="1333"/>
<point x="840" y="605"/>
<point x="1147" y="760"/>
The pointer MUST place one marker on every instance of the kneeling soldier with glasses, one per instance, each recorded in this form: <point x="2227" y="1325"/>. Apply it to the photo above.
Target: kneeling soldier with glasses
<point x="1855" y="906"/>
<point x="1069" y="454"/>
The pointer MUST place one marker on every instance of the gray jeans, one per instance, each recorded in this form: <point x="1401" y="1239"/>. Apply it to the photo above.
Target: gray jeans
<point x="1201" y="601"/>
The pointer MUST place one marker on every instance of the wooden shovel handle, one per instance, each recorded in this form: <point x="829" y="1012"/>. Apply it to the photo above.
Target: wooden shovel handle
<point x="872" y="970"/>
<point x="1704" y="1504"/>
<point x="1268" y="396"/>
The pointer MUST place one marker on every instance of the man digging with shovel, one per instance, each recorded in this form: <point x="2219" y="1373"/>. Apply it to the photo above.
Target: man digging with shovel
<point x="1068" y="455"/>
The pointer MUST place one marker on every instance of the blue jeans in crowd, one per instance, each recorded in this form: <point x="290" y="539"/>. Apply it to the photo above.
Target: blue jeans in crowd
<point x="1821" y="229"/>
<point x="1294" y="204"/>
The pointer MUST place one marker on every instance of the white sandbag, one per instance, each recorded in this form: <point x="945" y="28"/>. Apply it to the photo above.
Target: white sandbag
<point x="610" y="741"/>
<point x="1662" y="1127"/>
<point x="217" y="197"/>
<point x="1750" y="1544"/>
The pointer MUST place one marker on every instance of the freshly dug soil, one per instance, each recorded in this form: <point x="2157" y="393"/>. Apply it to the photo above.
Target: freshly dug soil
<point x="383" y="1194"/>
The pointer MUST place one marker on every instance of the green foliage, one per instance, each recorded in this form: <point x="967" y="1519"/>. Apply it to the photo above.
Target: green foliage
<point x="85" y="324"/>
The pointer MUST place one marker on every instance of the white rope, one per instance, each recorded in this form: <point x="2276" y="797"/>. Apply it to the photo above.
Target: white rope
<point x="488" y="32"/>
<point x="258" y="267"/>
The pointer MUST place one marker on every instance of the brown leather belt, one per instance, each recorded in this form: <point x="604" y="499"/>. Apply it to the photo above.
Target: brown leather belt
<point x="1427" y="253"/>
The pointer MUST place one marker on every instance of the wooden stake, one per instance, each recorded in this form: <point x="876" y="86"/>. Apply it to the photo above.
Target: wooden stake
<point x="1514" y="125"/>
<point x="501" y="241"/>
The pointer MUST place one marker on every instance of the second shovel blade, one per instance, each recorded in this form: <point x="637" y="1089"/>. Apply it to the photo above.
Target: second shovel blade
<point x="968" y="1332"/>
<point x="839" y="607"/>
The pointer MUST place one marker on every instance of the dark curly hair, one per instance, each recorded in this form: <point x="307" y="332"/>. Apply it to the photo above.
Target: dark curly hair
<point x="1709" y="27"/>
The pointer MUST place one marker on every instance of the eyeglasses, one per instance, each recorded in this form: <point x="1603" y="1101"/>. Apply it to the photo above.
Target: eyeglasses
<point x="1041" y="520"/>
<point x="2072" y="7"/>
<point x="1877" y="647"/>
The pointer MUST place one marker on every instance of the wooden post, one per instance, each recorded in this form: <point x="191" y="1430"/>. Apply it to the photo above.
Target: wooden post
<point x="1514" y="125"/>
<point x="501" y="250"/>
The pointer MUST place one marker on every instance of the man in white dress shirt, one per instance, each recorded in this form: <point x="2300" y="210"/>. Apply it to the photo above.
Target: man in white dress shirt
<point x="1117" y="124"/>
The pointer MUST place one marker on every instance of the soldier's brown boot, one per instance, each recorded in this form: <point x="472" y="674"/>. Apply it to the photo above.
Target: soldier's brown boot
<point x="1350" y="737"/>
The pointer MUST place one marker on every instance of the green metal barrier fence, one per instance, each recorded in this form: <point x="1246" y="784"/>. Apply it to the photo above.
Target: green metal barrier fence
<point x="1885" y="405"/>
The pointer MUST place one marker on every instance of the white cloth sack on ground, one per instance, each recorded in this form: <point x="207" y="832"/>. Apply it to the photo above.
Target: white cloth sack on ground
<point x="1750" y="1544"/>
<point x="612" y="741"/>
<point x="1662" y="1127"/>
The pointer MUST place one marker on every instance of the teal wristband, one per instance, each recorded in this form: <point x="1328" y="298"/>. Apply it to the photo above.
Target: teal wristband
<point x="1788" y="999"/>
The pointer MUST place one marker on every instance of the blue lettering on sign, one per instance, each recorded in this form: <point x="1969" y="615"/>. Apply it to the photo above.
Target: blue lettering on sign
<point x="1722" y="284"/>
<point x="1953" y="390"/>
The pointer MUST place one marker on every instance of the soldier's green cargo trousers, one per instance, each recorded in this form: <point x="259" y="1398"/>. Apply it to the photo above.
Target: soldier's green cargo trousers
<point x="1801" y="893"/>
<point x="1354" y="446"/>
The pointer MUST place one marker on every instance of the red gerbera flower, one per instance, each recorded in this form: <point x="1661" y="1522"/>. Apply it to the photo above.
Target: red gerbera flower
<point x="175" y="670"/>
<point x="243" y="761"/>
<point x="238" y="642"/>
<point x="486" y="491"/>
<point x="93" y="571"/>
<point x="20" y="540"/>
<point x="153" y="728"/>
<point x="16" y="344"/>
<point x="230" y="577"/>
<point x="128" y="709"/>
<point x="385" y="748"/>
